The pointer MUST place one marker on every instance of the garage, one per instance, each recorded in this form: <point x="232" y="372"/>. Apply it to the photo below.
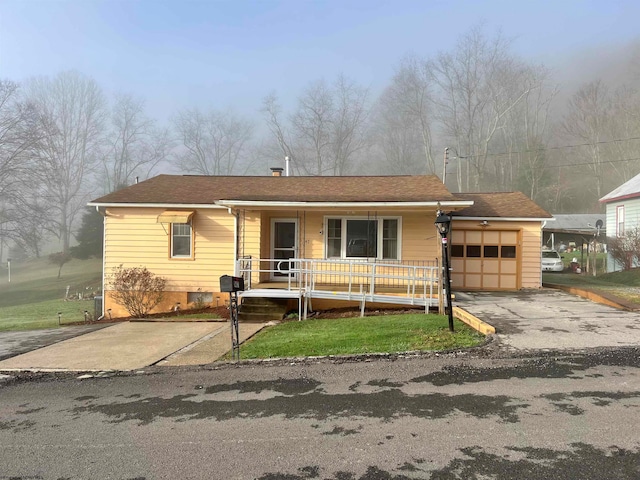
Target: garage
<point x="486" y="260"/>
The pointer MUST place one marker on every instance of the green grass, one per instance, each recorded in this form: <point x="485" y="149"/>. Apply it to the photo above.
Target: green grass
<point x="43" y="314"/>
<point x="625" y="284"/>
<point x="384" y="334"/>
<point x="35" y="281"/>
<point x="35" y="295"/>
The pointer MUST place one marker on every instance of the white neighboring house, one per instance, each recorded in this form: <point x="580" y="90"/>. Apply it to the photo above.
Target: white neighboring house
<point x="622" y="213"/>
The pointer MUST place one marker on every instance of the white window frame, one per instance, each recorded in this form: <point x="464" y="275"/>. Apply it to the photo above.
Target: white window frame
<point x="171" y="247"/>
<point x="620" y="220"/>
<point x="343" y="234"/>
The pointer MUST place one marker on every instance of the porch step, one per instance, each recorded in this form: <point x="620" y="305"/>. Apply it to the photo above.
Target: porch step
<point x="262" y="309"/>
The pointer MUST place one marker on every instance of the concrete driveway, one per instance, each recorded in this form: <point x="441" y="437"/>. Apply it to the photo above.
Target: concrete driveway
<point x="550" y="319"/>
<point x="132" y="346"/>
<point x="16" y="343"/>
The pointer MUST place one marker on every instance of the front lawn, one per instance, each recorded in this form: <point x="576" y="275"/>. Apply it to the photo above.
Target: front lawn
<point x="344" y="336"/>
<point x="43" y="314"/>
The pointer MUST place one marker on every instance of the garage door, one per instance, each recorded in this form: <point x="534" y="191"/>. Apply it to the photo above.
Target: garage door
<point x="483" y="259"/>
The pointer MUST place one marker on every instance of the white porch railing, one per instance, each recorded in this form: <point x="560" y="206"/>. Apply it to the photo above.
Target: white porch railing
<point x="404" y="283"/>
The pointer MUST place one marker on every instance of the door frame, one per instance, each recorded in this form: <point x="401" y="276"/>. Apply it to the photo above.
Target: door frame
<point x="272" y="241"/>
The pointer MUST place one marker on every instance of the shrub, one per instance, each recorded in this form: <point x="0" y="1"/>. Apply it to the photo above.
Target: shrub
<point x="625" y="250"/>
<point x="59" y="259"/>
<point x="137" y="289"/>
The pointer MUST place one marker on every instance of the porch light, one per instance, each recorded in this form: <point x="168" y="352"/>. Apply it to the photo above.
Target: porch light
<point x="443" y="223"/>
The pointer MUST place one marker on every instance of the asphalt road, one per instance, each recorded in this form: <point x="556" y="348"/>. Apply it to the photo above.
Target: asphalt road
<point x="456" y="416"/>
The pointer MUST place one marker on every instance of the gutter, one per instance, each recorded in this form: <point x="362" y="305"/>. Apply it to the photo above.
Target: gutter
<point x="507" y="219"/>
<point x="156" y="205"/>
<point x="268" y="203"/>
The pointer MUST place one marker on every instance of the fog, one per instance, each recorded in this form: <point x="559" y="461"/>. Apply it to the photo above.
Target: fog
<point x="565" y="131"/>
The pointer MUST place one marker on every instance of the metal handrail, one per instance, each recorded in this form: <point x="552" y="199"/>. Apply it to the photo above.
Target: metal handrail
<point x="305" y="274"/>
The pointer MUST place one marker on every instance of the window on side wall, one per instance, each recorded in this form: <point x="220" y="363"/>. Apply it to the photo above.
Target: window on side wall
<point x="181" y="240"/>
<point x="363" y="238"/>
<point x="620" y="221"/>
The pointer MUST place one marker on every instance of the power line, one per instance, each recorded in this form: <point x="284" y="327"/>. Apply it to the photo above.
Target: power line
<point x="544" y="149"/>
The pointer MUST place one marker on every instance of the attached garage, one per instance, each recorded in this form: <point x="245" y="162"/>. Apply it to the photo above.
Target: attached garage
<point x="496" y="243"/>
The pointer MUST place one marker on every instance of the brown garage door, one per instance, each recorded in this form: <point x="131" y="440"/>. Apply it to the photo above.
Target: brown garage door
<point x="482" y="259"/>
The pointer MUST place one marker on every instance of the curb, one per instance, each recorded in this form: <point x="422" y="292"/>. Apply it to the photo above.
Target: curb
<point x="473" y="321"/>
<point x="594" y="296"/>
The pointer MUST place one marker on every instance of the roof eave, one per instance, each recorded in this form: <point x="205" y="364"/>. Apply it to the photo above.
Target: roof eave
<point x="506" y="219"/>
<point x="628" y="196"/>
<point x="454" y="204"/>
<point x="154" y="205"/>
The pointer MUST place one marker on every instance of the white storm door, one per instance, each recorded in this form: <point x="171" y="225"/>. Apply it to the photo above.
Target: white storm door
<point x="284" y="245"/>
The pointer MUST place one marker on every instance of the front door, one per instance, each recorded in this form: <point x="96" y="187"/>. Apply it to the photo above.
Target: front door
<point x="284" y="245"/>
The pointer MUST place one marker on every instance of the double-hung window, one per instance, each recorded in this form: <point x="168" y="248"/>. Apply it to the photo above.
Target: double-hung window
<point x="620" y="221"/>
<point x="353" y="237"/>
<point x="181" y="240"/>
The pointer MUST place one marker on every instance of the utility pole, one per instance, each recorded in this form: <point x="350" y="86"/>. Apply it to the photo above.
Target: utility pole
<point x="444" y="167"/>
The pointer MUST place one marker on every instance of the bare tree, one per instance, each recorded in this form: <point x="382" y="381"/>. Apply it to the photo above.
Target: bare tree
<point x="326" y="130"/>
<point x="396" y="136"/>
<point x="410" y="96"/>
<point x="623" y="125"/>
<point x="71" y="117"/>
<point x="525" y="138"/>
<point x="312" y="127"/>
<point x="348" y="124"/>
<point x="215" y="142"/>
<point x="17" y="135"/>
<point x="281" y="144"/>
<point x="133" y="146"/>
<point x="588" y="122"/>
<point x="476" y="86"/>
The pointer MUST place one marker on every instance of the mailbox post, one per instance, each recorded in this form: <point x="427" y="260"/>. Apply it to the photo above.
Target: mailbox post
<point x="233" y="285"/>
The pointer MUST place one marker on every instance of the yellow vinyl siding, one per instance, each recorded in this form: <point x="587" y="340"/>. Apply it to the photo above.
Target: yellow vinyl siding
<point x="531" y="246"/>
<point x="134" y="238"/>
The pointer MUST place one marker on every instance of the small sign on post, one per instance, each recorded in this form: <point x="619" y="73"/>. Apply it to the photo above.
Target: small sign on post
<point x="233" y="285"/>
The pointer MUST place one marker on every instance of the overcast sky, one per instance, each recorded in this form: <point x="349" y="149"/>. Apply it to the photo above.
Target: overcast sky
<point x="178" y="54"/>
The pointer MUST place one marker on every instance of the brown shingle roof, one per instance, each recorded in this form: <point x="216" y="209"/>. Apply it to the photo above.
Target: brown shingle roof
<point x="501" y="204"/>
<point x="179" y="189"/>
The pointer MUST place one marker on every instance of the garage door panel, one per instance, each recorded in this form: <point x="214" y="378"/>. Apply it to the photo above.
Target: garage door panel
<point x="509" y="238"/>
<point x="491" y="266"/>
<point x="473" y="237"/>
<point x="492" y="237"/>
<point x="473" y="281"/>
<point x="491" y="281"/>
<point x="457" y="264"/>
<point x="508" y="282"/>
<point x="473" y="265"/>
<point x="490" y="260"/>
<point x="457" y="236"/>
<point x="457" y="280"/>
<point x="509" y="267"/>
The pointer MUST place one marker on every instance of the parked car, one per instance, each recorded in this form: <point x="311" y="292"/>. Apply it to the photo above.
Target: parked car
<point x="551" y="261"/>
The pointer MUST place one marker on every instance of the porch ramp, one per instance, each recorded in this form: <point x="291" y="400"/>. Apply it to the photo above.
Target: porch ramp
<point x="356" y="281"/>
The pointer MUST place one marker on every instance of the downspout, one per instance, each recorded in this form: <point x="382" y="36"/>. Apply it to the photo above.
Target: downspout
<point x="236" y="236"/>
<point x="104" y="235"/>
<point x="544" y="224"/>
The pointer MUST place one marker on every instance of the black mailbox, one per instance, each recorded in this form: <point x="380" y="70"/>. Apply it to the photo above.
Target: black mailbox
<point x="231" y="284"/>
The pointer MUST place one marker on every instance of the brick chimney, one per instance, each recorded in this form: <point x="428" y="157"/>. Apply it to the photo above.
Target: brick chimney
<point x="276" y="171"/>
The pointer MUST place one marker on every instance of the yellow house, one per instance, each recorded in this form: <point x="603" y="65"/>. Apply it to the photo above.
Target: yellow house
<point x="328" y="240"/>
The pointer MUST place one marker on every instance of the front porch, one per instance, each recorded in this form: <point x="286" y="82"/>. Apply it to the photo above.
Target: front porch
<point x="408" y="283"/>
